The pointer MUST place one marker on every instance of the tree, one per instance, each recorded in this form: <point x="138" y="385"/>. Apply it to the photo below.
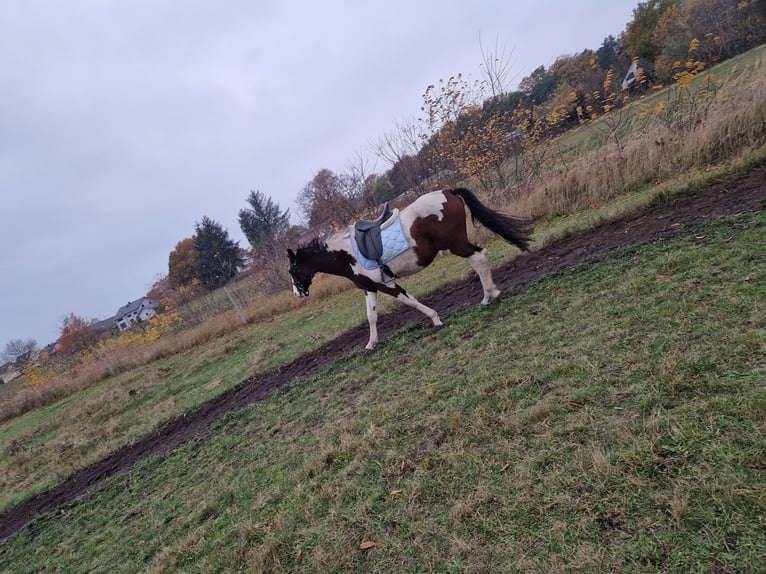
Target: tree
<point x="466" y="135"/>
<point x="325" y="199"/>
<point x="539" y="85"/>
<point x="721" y="28"/>
<point x="380" y="190"/>
<point x="406" y="174"/>
<point x="359" y="178"/>
<point x="399" y="148"/>
<point x="639" y="34"/>
<point x="496" y="67"/>
<point x="606" y="55"/>
<point x="578" y="77"/>
<point x="162" y="291"/>
<point x="76" y="334"/>
<point x="182" y="263"/>
<point x="19" y="351"/>
<point x="217" y="256"/>
<point x="263" y="223"/>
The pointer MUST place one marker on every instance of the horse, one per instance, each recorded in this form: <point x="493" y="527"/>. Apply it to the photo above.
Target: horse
<point x="434" y="222"/>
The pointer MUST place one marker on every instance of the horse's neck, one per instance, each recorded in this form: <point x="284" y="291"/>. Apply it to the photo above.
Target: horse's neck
<point x="335" y="259"/>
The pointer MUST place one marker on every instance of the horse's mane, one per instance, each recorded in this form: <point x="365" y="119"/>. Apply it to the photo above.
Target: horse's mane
<point x="315" y="245"/>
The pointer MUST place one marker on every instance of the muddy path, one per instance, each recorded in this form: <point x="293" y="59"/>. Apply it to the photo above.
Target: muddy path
<point x="675" y="217"/>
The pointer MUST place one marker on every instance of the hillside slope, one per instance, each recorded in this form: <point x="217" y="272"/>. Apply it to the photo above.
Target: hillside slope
<point x="678" y="216"/>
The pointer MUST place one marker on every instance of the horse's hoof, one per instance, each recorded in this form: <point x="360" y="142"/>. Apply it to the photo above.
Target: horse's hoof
<point x="491" y="297"/>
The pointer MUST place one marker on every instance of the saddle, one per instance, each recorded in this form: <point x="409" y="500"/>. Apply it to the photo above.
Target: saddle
<point x="367" y="234"/>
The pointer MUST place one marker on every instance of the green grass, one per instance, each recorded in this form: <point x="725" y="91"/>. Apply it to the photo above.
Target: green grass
<point x="605" y="420"/>
<point x="580" y="431"/>
<point x="41" y="447"/>
<point x="44" y="446"/>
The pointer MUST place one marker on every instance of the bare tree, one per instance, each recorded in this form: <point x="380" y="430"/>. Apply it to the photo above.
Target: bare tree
<point x="399" y="148"/>
<point x="496" y="67"/>
<point x="325" y="200"/>
<point x="358" y="175"/>
<point x="402" y="140"/>
<point x="19" y="350"/>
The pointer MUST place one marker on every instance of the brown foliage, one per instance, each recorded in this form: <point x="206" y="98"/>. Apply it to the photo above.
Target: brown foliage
<point x="724" y="28"/>
<point x="326" y="198"/>
<point x="76" y="334"/>
<point x="182" y="263"/>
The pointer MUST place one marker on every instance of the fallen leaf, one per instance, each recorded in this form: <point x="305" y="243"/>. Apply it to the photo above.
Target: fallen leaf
<point x="402" y="467"/>
<point x="298" y="553"/>
<point x="367" y="544"/>
<point x="374" y="423"/>
<point x="675" y="225"/>
<point x="398" y="491"/>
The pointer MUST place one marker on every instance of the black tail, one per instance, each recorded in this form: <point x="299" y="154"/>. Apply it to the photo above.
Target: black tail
<point x="513" y="230"/>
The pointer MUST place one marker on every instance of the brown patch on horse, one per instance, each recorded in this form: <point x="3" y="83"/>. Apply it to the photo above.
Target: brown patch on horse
<point x="435" y="233"/>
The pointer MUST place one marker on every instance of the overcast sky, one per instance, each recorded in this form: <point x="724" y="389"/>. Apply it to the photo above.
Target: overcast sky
<point x="124" y="122"/>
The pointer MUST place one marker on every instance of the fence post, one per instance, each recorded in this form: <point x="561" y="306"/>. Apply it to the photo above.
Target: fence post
<point x="103" y="361"/>
<point x="234" y="304"/>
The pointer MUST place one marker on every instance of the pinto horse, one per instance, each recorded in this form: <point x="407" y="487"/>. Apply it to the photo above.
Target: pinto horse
<point x="434" y="222"/>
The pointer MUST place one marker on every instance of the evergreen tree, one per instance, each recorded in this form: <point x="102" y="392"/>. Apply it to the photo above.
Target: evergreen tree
<point x="606" y="55"/>
<point x="218" y="257"/>
<point x="263" y="223"/>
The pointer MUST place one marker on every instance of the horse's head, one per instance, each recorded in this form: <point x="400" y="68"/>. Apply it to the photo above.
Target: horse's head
<point x="300" y="273"/>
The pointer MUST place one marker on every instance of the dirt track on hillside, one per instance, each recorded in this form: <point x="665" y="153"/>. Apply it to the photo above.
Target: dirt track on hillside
<point x="676" y="217"/>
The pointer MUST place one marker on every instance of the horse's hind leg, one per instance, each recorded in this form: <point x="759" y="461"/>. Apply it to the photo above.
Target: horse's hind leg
<point x="371" y="298"/>
<point x="480" y="263"/>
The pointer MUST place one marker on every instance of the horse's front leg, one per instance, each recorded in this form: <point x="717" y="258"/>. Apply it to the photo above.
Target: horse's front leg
<point x="410" y="301"/>
<point x="371" y="298"/>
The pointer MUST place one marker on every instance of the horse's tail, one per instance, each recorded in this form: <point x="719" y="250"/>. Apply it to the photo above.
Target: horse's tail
<point x="512" y="229"/>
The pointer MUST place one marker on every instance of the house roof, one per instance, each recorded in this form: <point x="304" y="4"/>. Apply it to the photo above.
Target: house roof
<point x="133" y="306"/>
<point x="104" y="325"/>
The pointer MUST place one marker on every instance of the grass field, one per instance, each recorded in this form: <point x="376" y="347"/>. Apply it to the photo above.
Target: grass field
<point x="586" y="424"/>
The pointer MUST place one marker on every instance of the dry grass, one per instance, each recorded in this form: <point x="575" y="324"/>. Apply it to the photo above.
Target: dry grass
<point x="733" y="125"/>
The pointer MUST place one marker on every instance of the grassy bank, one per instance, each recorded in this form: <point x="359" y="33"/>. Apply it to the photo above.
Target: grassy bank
<point x="717" y="122"/>
<point x="587" y="424"/>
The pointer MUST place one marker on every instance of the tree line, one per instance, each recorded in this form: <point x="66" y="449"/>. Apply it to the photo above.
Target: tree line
<point x="469" y="129"/>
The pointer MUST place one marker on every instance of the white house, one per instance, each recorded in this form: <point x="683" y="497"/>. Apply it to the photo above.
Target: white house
<point x="135" y="311"/>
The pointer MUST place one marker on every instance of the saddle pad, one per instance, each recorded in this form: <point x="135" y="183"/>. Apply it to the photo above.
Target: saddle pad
<point x="394" y="243"/>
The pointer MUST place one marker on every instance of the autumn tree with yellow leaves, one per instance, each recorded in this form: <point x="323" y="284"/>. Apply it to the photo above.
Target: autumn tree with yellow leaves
<point x="464" y="134"/>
